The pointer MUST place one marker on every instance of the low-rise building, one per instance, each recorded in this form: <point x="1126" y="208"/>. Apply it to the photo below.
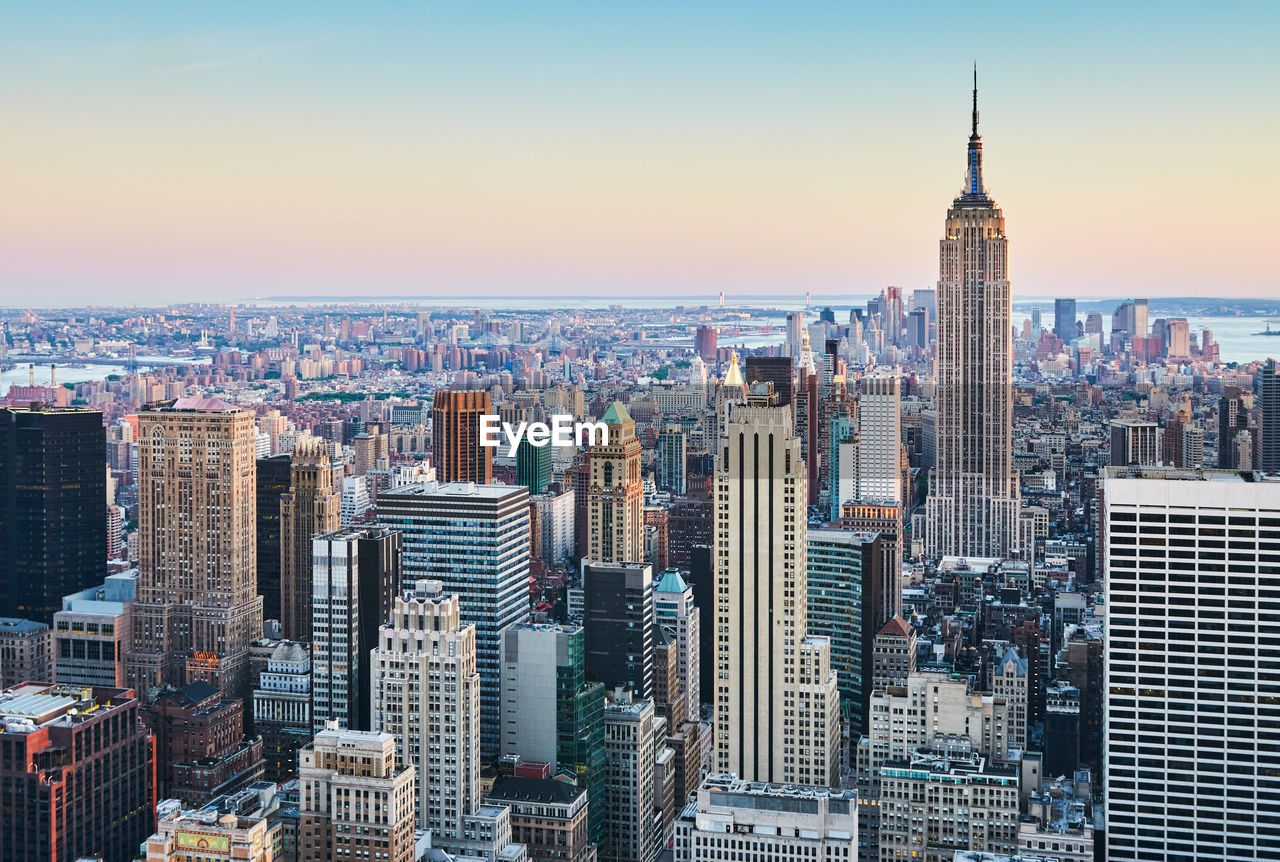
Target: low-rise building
<point x="548" y="816"/>
<point x="757" y="822"/>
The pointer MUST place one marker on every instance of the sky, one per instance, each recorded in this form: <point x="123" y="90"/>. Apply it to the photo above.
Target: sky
<point x="166" y="151"/>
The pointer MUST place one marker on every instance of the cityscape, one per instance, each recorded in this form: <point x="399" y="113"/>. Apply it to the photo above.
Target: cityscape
<point x="949" y="573"/>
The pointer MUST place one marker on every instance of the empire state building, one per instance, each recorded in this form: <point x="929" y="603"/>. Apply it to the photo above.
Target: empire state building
<point x="974" y="501"/>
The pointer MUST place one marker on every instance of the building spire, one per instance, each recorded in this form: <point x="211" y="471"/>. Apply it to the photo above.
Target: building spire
<point x="974" y="191"/>
<point x="975" y="98"/>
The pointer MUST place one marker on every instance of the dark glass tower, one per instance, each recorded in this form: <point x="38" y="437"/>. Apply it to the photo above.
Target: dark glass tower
<point x="53" y="507"/>
<point x="274" y="474"/>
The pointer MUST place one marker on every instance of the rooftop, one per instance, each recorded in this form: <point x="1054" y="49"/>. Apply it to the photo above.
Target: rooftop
<point x="455" y="489"/>
<point x="18" y="625"/>
<point x="512" y="788"/>
<point x="27" y="706"/>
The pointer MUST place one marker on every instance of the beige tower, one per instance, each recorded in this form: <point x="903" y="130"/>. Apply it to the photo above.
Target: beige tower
<point x="308" y="508"/>
<point x="974" y="499"/>
<point x="777" y="708"/>
<point x="615" y="493"/>
<point x="426" y="694"/>
<point x="197" y="609"/>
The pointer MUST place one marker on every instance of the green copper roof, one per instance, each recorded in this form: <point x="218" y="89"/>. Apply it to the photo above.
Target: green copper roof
<point x="671" y="583"/>
<point x="616" y="414"/>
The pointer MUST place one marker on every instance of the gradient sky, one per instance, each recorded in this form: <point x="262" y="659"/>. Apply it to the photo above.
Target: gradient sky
<point x="221" y="151"/>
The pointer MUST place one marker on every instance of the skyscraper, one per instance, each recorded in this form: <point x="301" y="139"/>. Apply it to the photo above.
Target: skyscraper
<point x="533" y="466"/>
<point x="339" y="671"/>
<point x="1266" y="393"/>
<point x="551" y="712"/>
<point x="1064" y="319"/>
<point x="455" y="436"/>
<point x="674" y="610"/>
<point x="619" y="623"/>
<point x="274" y="476"/>
<point x="772" y="369"/>
<point x="615" y="493"/>
<point x="53" y="504"/>
<point x="844" y="605"/>
<point x="1190" y="664"/>
<point x="766" y="665"/>
<point x="308" y="508"/>
<point x="426" y="693"/>
<point x="974" y="499"/>
<point x="670" y="468"/>
<point x="198" y="608"/>
<point x="704" y="343"/>
<point x="879" y="468"/>
<point x="475" y="540"/>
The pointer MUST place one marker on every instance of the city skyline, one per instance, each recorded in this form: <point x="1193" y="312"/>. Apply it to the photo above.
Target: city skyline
<point x="170" y="154"/>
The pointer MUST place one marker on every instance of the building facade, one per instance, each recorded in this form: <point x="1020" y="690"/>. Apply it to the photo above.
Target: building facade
<point x="1191" y="566"/>
<point x="198" y="607"/>
<point x="355" y="801"/>
<point x="455" y="436"/>
<point x="76" y="770"/>
<point x="309" y="507"/>
<point x="53" y="502"/>
<point x="776" y="702"/>
<point x="615" y="493"/>
<point x="426" y="694"/>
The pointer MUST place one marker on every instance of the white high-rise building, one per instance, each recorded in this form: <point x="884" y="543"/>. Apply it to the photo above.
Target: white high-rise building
<point x="355" y="498"/>
<point x="880" y="438"/>
<point x="674" y="611"/>
<point x="555" y="520"/>
<point x="335" y="627"/>
<point x="776" y="703"/>
<point x="426" y="693"/>
<point x="974" y="496"/>
<point x="1191" y="564"/>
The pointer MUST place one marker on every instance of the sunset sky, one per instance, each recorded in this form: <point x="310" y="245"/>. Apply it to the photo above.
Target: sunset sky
<point x="219" y="151"/>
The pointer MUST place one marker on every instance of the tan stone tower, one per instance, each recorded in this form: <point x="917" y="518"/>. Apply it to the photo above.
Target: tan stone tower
<point x="768" y="670"/>
<point x="197" y="609"/>
<point x="974" y="499"/>
<point x="615" y="493"/>
<point x="308" y="508"/>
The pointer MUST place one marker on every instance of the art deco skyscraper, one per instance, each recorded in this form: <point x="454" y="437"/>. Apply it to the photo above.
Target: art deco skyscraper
<point x="615" y="493"/>
<point x="973" y="501"/>
<point x="310" y="507"/>
<point x="426" y="693"/>
<point x="198" y="608"/>
<point x="455" y="436"/>
<point x="777" y="708"/>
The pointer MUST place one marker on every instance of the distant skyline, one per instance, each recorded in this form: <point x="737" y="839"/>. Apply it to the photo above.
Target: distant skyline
<point x="157" y="152"/>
